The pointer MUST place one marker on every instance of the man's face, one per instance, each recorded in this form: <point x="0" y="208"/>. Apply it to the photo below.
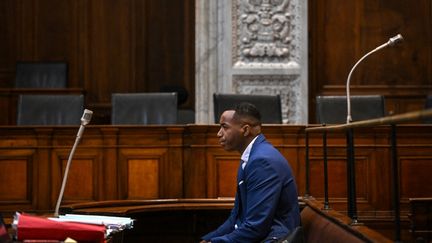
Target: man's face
<point x="230" y="133"/>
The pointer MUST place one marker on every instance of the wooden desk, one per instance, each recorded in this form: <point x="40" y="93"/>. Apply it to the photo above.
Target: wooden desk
<point x="128" y="207"/>
<point x="186" y="220"/>
<point x="9" y="100"/>
<point x="169" y="220"/>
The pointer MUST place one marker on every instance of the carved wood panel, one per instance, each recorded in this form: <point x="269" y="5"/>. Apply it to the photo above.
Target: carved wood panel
<point x="8" y="40"/>
<point x="80" y="185"/>
<point x="84" y="181"/>
<point x="337" y="181"/>
<point x="226" y="178"/>
<point x="415" y="176"/>
<point x="13" y="180"/>
<point x="17" y="175"/>
<point x="222" y="174"/>
<point x="143" y="179"/>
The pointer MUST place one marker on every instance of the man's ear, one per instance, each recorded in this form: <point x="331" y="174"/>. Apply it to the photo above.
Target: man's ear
<point x="246" y="129"/>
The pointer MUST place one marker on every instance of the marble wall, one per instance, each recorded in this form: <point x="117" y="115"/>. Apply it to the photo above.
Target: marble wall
<point x="252" y="47"/>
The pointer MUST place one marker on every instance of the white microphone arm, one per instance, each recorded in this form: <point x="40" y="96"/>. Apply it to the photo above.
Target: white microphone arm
<point x="85" y="119"/>
<point x="391" y="42"/>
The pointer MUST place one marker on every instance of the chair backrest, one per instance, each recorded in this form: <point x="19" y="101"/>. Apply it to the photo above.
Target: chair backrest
<point x="333" y="109"/>
<point x="41" y="75"/>
<point x="144" y="108"/>
<point x="50" y="109"/>
<point x="268" y="105"/>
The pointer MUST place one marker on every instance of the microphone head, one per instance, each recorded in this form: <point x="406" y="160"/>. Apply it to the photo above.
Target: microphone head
<point x="395" y="40"/>
<point x="86" y="117"/>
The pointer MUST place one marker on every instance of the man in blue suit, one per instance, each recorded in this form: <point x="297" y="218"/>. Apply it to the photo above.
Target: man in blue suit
<point x="266" y="207"/>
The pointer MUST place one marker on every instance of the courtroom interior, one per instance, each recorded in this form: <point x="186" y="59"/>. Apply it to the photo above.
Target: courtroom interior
<point x="343" y="87"/>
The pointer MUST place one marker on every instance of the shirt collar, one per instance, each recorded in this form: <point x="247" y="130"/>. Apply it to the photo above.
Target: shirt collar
<point x="246" y="152"/>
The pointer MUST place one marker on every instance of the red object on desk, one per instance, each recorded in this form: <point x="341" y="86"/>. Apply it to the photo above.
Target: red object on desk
<point x="33" y="227"/>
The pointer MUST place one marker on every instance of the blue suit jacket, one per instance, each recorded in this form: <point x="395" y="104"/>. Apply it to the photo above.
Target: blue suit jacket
<point x="266" y="205"/>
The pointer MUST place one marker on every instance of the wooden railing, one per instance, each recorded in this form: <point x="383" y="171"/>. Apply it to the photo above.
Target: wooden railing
<point x="351" y="177"/>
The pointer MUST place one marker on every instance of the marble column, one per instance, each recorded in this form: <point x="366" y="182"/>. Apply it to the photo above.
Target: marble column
<point x="252" y="47"/>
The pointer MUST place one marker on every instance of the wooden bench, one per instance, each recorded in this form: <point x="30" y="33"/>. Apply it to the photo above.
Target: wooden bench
<point x="330" y="226"/>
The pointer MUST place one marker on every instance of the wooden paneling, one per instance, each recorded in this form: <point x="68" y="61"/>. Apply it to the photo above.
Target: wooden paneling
<point x="12" y="171"/>
<point x="110" y="46"/>
<point x="143" y="169"/>
<point x="143" y="172"/>
<point x="80" y="180"/>
<point x="372" y="163"/>
<point x="337" y="182"/>
<point x="422" y="181"/>
<point x="160" y="145"/>
<point x="109" y="163"/>
<point x="8" y="44"/>
<point x="17" y="174"/>
<point x="342" y="32"/>
<point x="84" y="180"/>
<point x="161" y="162"/>
<point x="226" y="174"/>
<point x="221" y="170"/>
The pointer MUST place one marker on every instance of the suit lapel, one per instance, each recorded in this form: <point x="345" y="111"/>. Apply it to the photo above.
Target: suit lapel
<point x="242" y="181"/>
<point x="241" y="191"/>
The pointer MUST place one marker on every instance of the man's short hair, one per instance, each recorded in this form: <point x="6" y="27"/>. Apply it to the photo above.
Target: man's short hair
<point x="248" y="110"/>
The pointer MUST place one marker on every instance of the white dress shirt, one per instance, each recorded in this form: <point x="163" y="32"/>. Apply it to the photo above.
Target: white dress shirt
<point x="246" y="152"/>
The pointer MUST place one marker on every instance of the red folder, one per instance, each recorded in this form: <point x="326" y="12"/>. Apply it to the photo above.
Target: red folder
<point x="33" y="227"/>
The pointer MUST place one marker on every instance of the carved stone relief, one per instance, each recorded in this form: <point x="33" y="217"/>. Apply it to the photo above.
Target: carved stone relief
<point x="285" y="86"/>
<point x="252" y="47"/>
<point x="263" y="32"/>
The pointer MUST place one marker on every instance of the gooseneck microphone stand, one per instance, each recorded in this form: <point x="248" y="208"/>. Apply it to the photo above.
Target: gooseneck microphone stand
<point x="392" y="41"/>
<point x="85" y="119"/>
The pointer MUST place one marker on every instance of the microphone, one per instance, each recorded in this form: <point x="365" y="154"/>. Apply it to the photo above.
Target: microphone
<point x="391" y="42"/>
<point x="85" y="119"/>
<point x="395" y="40"/>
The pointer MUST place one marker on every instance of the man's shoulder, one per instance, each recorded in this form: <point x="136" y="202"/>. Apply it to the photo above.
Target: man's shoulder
<point x="266" y="151"/>
<point x="261" y="143"/>
<point x="261" y="146"/>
